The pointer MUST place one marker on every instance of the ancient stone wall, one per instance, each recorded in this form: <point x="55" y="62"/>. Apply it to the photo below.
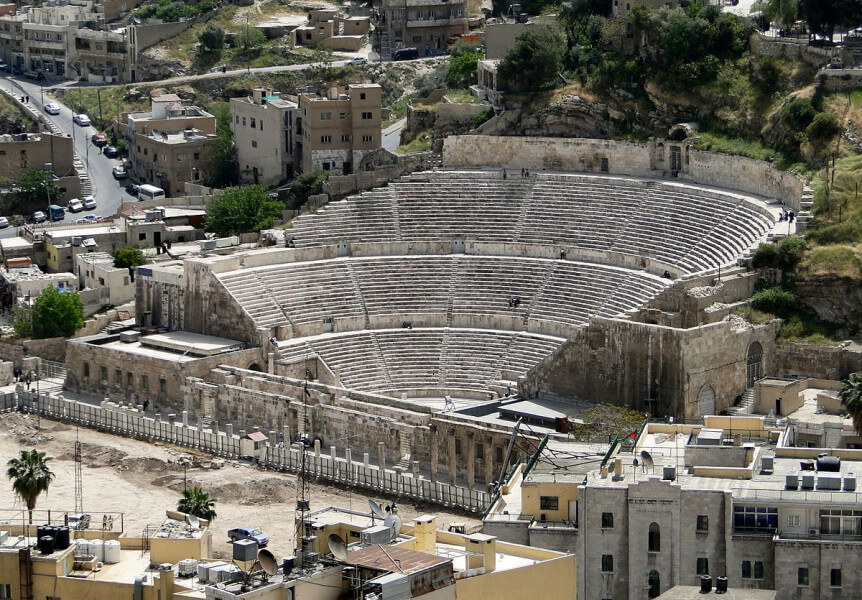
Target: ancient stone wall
<point x="822" y="362"/>
<point x="659" y="370"/>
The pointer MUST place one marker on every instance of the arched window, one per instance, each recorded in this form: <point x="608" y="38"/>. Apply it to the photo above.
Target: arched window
<point x="654" y="582"/>
<point x="754" y="363"/>
<point x="706" y="401"/>
<point x="654" y="537"/>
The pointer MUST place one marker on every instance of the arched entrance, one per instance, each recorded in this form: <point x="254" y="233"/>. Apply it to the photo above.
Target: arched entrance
<point x="254" y="367"/>
<point x="706" y="401"/>
<point x="753" y="364"/>
<point x="654" y="583"/>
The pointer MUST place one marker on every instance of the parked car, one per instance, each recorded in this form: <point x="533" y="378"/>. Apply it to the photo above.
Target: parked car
<point x="81" y="120"/>
<point x="37" y="75"/>
<point x="4" y="222"/>
<point x="56" y="212"/>
<point x="111" y="152"/>
<point x="52" y="108"/>
<point x="132" y="189"/>
<point x="86" y="220"/>
<point x="405" y="54"/>
<point x="119" y="172"/>
<point x="39" y="217"/>
<point x="79" y="521"/>
<point x="89" y="203"/>
<point x="99" y="139"/>
<point x="359" y="60"/>
<point x="248" y="533"/>
<point x="75" y="205"/>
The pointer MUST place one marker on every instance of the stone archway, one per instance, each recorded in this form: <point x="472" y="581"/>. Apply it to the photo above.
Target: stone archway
<point x="254" y="367"/>
<point x="706" y="401"/>
<point x="753" y="364"/>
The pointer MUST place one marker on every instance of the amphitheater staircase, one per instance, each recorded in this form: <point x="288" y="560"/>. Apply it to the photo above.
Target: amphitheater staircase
<point x="381" y="359"/>
<point x="443" y="373"/>
<point x="456" y="277"/>
<point x="746" y="406"/>
<point x="396" y="216"/>
<point x="546" y="279"/>
<point x="268" y="292"/>
<point x="355" y="281"/>
<point x="526" y="205"/>
<point x="404" y="452"/>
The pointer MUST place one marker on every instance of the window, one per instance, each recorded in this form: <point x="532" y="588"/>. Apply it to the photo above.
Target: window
<point x="746" y="569"/>
<point x="802" y="576"/>
<point x="125" y="281"/>
<point x="457" y="447"/>
<point x="325" y="139"/>
<point x="86" y="370"/>
<point x="836" y="521"/>
<point x="103" y="373"/>
<point x="755" y="518"/>
<point x="130" y="379"/>
<point x="197" y="155"/>
<point x="142" y="237"/>
<point x="702" y="523"/>
<point x="163" y="385"/>
<point x="607" y="520"/>
<point x="145" y="382"/>
<point x="549" y="503"/>
<point x="367" y="138"/>
<point x="498" y="454"/>
<point x="252" y="122"/>
<point x="654" y="539"/>
<point x="793" y="520"/>
<point x="6" y="588"/>
<point x="835" y="577"/>
<point x="367" y="115"/>
<point x="118" y="376"/>
<point x="261" y="125"/>
<point x="326" y="116"/>
<point x="346" y="138"/>
<point x="342" y="116"/>
<point x="480" y="451"/>
<point x="243" y="121"/>
<point x="254" y="143"/>
<point x="607" y="563"/>
<point x="702" y="566"/>
<point x="237" y="118"/>
<point x="758" y="569"/>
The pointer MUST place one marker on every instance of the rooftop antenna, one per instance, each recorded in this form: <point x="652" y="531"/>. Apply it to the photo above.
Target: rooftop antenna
<point x="337" y="547"/>
<point x="646" y="460"/>
<point x="79" y="478"/>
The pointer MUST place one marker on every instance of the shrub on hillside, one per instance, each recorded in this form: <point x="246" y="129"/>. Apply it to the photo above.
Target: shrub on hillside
<point x="776" y="301"/>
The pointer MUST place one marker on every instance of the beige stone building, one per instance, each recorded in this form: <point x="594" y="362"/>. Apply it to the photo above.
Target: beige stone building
<point x="103" y="56"/>
<point x="28" y="151"/>
<point x="263" y="127"/>
<point x="329" y="28"/>
<point x="166" y="144"/>
<point x="110" y="285"/>
<point x="430" y="26"/>
<point x="340" y="129"/>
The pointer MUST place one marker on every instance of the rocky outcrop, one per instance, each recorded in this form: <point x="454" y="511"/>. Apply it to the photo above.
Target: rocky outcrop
<point x="834" y="299"/>
<point x="570" y="117"/>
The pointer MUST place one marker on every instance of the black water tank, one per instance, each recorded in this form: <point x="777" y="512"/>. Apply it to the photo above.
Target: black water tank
<point x="287" y="565"/>
<point x="46" y="544"/>
<point x="829" y="463"/>
<point x="40" y="531"/>
<point x="62" y="539"/>
<point x="721" y="585"/>
<point x="705" y="584"/>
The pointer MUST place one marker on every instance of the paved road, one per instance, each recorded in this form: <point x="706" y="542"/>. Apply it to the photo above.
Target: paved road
<point x="392" y="135"/>
<point x="108" y="192"/>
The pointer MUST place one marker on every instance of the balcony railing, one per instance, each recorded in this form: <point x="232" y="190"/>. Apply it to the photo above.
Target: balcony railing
<point x="561" y="525"/>
<point x="442" y="22"/>
<point x="815" y="534"/>
<point x="770" y="531"/>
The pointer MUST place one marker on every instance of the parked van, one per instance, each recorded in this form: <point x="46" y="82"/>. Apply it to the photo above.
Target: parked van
<point x="405" y="54"/>
<point x="56" y="213"/>
<point x="150" y="192"/>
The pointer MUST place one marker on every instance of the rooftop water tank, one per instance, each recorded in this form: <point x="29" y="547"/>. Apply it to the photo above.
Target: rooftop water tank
<point x="111" y="552"/>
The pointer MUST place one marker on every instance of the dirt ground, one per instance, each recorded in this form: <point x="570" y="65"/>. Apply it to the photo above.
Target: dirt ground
<point x="142" y="480"/>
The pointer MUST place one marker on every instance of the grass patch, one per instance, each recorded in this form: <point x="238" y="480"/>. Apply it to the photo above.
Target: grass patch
<point x="398" y="109"/>
<point x="753" y="316"/>
<point x="802" y="328"/>
<point x="421" y="143"/>
<point x="462" y="97"/>
<point x="837" y="260"/>
<point x="103" y="104"/>
<point x="717" y="142"/>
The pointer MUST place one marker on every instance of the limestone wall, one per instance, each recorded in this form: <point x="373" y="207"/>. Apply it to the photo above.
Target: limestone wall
<point x="659" y="370"/>
<point x="623" y="158"/>
<point x="823" y="362"/>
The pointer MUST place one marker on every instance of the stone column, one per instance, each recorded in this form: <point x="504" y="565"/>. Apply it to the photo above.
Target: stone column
<point x="317" y="449"/>
<point x="433" y="452"/>
<point x="228" y="430"/>
<point x="214" y="426"/>
<point x="381" y="455"/>
<point x="333" y="454"/>
<point x="489" y="460"/>
<point x="366" y="459"/>
<point x="453" y="459"/>
<point x="185" y="418"/>
<point x="285" y="434"/>
<point x="471" y="460"/>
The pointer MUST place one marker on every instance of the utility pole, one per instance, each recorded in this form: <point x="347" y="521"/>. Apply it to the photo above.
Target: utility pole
<point x="99" y="96"/>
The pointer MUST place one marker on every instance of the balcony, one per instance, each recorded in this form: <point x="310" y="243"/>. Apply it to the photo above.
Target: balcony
<point x="815" y="535"/>
<point x="447" y="22"/>
<point x="556" y="526"/>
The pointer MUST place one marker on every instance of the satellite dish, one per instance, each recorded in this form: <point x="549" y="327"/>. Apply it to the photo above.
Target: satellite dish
<point x="337" y="546"/>
<point x="194" y="521"/>
<point x="646" y="458"/>
<point x="267" y="562"/>
<point x="393" y="521"/>
<point x="376" y="509"/>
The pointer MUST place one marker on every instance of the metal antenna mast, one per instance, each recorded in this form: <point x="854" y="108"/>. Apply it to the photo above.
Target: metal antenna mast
<point x="302" y="503"/>
<point x="79" y="478"/>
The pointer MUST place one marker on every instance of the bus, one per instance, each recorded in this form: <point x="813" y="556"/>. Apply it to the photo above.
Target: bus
<point x="150" y="192"/>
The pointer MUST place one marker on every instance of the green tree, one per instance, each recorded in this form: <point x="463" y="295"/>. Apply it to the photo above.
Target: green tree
<point x="249" y="41"/>
<point x="782" y="12"/>
<point x="851" y="398"/>
<point x="30" y="477"/>
<point x="212" y="37"/>
<point x="775" y="301"/>
<point x="36" y="189"/>
<point x="197" y="502"/>
<point x="463" y="69"/>
<point x="823" y="129"/>
<point x="534" y="61"/>
<point x="242" y="210"/>
<point x="220" y="153"/>
<point x="307" y="184"/>
<point x="53" y="315"/>
<point x="128" y="257"/>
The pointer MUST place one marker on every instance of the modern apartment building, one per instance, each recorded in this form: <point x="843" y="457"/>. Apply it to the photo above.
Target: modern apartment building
<point x="263" y="127"/>
<point x="167" y="144"/>
<point x="339" y="129"/>
<point x="430" y="26"/>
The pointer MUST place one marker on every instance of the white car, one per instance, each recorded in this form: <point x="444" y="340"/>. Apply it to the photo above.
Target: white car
<point x="75" y="205"/>
<point x="52" y="109"/>
<point x="358" y="60"/>
<point x="4" y="222"/>
<point x="81" y="120"/>
<point x="119" y="172"/>
<point x="89" y="203"/>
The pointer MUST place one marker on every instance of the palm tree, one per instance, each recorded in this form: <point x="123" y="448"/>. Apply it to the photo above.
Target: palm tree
<point x="851" y="397"/>
<point x="30" y="477"/>
<point x="197" y="502"/>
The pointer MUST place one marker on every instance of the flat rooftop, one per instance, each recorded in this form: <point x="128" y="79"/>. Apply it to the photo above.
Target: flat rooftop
<point x="192" y="343"/>
<point x="692" y="592"/>
<point x="394" y="558"/>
